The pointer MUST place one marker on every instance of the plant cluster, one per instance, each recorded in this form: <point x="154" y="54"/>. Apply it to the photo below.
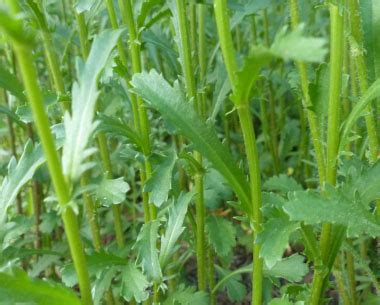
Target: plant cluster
<point x="189" y="152"/>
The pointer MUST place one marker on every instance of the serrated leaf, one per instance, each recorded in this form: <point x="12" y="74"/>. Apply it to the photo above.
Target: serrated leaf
<point x="292" y="268"/>
<point x="171" y="103"/>
<point x="282" y="301"/>
<point x="144" y="9"/>
<point x="312" y="208"/>
<point x="19" y="173"/>
<point x="216" y="189"/>
<point x="187" y="296"/>
<point x="282" y="183"/>
<point x="112" y="191"/>
<point x="134" y="284"/>
<point x="295" y="46"/>
<point x="274" y="238"/>
<point x="174" y="228"/>
<point x="146" y="246"/>
<point x="16" y="287"/>
<point x="221" y="234"/>
<point x="160" y="183"/>
<point x="80" y="125"/>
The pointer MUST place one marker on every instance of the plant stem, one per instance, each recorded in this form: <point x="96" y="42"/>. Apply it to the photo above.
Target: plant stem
<point x="307" y="103"/>
<point x="33" y="91"/>
<point x="222" y="21"/>
<point x="336" y="64"/>
<point x="141" y="115"/>
<point x="187" y="68"/>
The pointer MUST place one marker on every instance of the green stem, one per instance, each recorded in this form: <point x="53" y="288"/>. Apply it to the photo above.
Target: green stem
<point x="336" y="64"/>
<point x="141" y="115"/>
<point x="307" y="103"/>
<point x="222" y="21"/>
<point x="34" y="94"/>
<point x="187" y="68"/>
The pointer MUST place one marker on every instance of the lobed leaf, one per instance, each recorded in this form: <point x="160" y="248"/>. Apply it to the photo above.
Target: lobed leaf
<point x="274" y="238"/>
<point x="282" y="183"/>
<point x="112" y="191"/>
<point x="171" y="103"/>
<point x="146" y="246"/>
<point x="80" y="125"/>
<point x="160" y="183"/>
<point x="221" y="235"/>
<point x="134" y="284"/>
<point x="336" y="208"/>
<point x="19" y="173"/>
<point x="187" y="296"/>
<point x="174" y="228"/>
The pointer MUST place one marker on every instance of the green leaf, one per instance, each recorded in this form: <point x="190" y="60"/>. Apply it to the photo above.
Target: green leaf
<point x="145" y="8"/>
<point x="13" y="116"/>
<point x="146" y="246"/>
<point x="216" y="189"/>
<point x="10" y="82"/>
<point x="112" y="191"/>
<point x="187" y="296"/>
<point x="283" y="301"/>
<point x="117" y="127"/>
<point x="160" y="183"/>
<point x="171" y="103"/>
<point x="246" y="77"/>
<point x="80" y="125"/>
<point x="174" y="228"/>
<point x="134" y="284"/>
<point x="19" y="173"/>
<point x="295" y="46"/>
<point x="16" y="287"/>
<point x="274" y="238"/>
<point x="334" y="208"/>
<point x="221" y="235"/>
<point x="292" y="268"/>
<point x="102" y="284"/>
<point x="372" y="93"/>
<point x="282" y="183"/>
<point x="236" y="291"/>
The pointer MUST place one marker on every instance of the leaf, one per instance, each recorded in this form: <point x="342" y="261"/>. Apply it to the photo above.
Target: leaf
<point x="170" y="102"/>
<point x="282" y="301"/>
<point x="10" y="82"/>
<point x="96" y="262"/>
<point x="19" y="173"/>
<point x="246" y="77"/>
<point x="296" y="46"/>
<point x="366" y="185"/>
<point x="102" y="284"/>
<point x="274" y="238"/>
<point x="112" y="191"/>
<point x="282" y="183"/>
<point x="14" y="29"/>
<point x="16" y="287"/>
<point x="134" y="284"/>
<point x="236" y="291"/>
<point x="372" y="93"/>
<point x="117" y="127"/>
<point x="145" y="8"/>
<point x="291" y="268"/>
<point x="216" y="189"/>
<point x="221" y="235"/>
<point x="335" y="208"/>
<point x="187" y="296"/>
<point x="174" y="228"/>
<point x="13" y="116"/>
<point x="79" y="125"/>
<point x="82" y="6"/>
<point x="146" y="246"/>
<point x="160" y="183"/>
